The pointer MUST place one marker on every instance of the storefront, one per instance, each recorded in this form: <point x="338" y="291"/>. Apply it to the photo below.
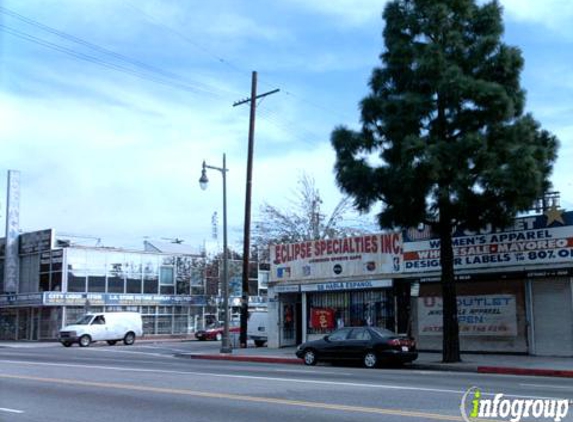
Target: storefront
<point x="318" y="286"/>
<point x="492" y="315"/>
<point x="56" y="285"/>
<point x="514" y="286"/>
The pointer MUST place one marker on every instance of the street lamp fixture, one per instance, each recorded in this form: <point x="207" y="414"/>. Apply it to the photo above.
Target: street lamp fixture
<point x="203" y="182"/>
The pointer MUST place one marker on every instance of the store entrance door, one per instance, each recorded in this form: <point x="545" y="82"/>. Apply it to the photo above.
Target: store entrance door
<point x="289" y="321"/>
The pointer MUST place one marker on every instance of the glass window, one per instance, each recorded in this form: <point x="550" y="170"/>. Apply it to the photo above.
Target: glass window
<point x="374" y="308"/>
<point x="57" y="259"/>
<point x="96" y="283"/>
<point x="132" y="264"/>
<point x="164" y="325"/>
<point x="96" y="261"/>
<point x="167" y="260"/>
<point x="150" y="264"/>
<point x="359" y="334"/>
<point x="339" y="335"/>
<point x="184" y="268"/>
<point x="148" y="310"/>
<point x="197" y="279"/>
<point x="99" y="320"/>
<point x="115" y="284"/>
<point x="383" y="332"/>
<point x="45" y="261"/>
<point x="76" y="283"/>
<point x="148" y="325"/>
<point x="76" y="260"/>
<point x="150" y="285"/>
<point x="115" y="264"/>
<point x="133" y="284"/>
<point x="167" y="290"/>
<point x="45" y="282"/>
<point x="264" y="279"/>
<point x="166" y="276"/>
<point x="56" y="281"/>
<point x="29" y="274"/>
<point x="197" y="291"/>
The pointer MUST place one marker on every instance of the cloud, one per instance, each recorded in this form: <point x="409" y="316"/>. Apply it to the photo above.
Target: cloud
<point x="350" y="13"/>
<point x="553" y="14"/>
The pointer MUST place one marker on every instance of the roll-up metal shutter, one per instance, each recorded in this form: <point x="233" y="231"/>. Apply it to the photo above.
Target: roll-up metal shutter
<point x="553" y="317"/>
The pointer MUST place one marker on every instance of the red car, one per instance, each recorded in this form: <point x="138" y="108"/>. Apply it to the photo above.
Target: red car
<point x="215" y="332"/>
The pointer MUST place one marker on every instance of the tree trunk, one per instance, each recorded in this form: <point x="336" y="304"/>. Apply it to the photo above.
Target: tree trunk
<point x="451" y="339"/>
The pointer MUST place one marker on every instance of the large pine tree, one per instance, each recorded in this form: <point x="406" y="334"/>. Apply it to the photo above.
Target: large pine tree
<point x="446" y="117"/>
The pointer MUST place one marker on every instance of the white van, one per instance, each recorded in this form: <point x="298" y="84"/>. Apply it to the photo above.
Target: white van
<point x="103" y="326"/>
<point x="257" y="327"/>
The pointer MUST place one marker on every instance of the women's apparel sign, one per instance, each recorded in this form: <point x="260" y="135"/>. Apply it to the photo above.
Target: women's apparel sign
<point x="546" y="239"/>
<point x="326" y="258"/>
<point x="484" y="315"/>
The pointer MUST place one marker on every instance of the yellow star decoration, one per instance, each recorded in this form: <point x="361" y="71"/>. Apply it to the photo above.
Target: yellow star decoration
<point x="554" y="214"/>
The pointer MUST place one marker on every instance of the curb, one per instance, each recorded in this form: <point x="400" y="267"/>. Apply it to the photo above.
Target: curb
<point x="435" y="367"/>
<point x="444" y="367"/>
<point x="525" y="371"/>
<point x="258" y="359"/>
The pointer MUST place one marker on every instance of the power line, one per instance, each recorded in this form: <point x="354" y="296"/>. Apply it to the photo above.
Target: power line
<point x="95" y="60"/>
<point x="226" y="62"/>
<point x="294" y="130"/>
<point x="179" y="34"/>
<point x="150" y="73"/>
<point x="181" y="82"/>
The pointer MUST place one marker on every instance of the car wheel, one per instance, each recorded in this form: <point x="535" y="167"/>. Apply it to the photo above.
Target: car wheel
<point x="309" y="357"/>
<point x="129" y="339"/>
<point x="66" y="343"/>
<point x="260" y="343"/>
<point x="111" y="342"/>
<point x="219" y="337"/>
<point x="85" y="340"/>
<point x="370" y="360"/>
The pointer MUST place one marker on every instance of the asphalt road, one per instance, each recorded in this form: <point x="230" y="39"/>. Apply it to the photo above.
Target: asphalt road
<point x="145" y="382"/>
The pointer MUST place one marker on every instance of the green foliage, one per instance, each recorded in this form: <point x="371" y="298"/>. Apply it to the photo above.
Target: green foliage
<point x="446" y="117"/>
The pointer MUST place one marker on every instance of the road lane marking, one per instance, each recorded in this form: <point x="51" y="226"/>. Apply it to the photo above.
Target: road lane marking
<point x="161" y="355"/>
<point x="274" y="379"/>
<point x="5" y="409"/>
<point x="243" y="398"/>
<point x="312" y="371"/>
<point x="250" y="377"/>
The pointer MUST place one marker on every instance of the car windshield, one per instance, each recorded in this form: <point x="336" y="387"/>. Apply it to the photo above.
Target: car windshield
<point x="85" y="320"/>
<point x="383" y="332"/>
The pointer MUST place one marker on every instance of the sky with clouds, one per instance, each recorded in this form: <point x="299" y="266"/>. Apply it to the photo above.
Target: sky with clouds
<point x="109" y="107"/>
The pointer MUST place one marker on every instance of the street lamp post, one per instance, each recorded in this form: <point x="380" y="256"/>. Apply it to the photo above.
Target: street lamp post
<point x="203" y="181"/>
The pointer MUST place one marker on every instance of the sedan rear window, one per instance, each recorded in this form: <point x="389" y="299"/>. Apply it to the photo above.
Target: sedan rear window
<point x="383" y="332"/>
<point x="339" y="334"/>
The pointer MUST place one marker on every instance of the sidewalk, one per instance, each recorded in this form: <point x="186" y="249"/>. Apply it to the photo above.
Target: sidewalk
<point x="479" y="363"/>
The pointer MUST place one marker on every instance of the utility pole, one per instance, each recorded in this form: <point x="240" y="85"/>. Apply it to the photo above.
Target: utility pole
<point x="247" y="228"/>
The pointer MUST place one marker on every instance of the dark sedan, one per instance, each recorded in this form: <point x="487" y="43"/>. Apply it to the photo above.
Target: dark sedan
<point x="371" y="345"/>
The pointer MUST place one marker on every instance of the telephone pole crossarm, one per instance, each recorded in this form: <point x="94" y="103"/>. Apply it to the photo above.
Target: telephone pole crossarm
<point x="246" y="100"/>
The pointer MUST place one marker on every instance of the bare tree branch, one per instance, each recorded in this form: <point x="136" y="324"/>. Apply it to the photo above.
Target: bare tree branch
<point x="304" y="220"/>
